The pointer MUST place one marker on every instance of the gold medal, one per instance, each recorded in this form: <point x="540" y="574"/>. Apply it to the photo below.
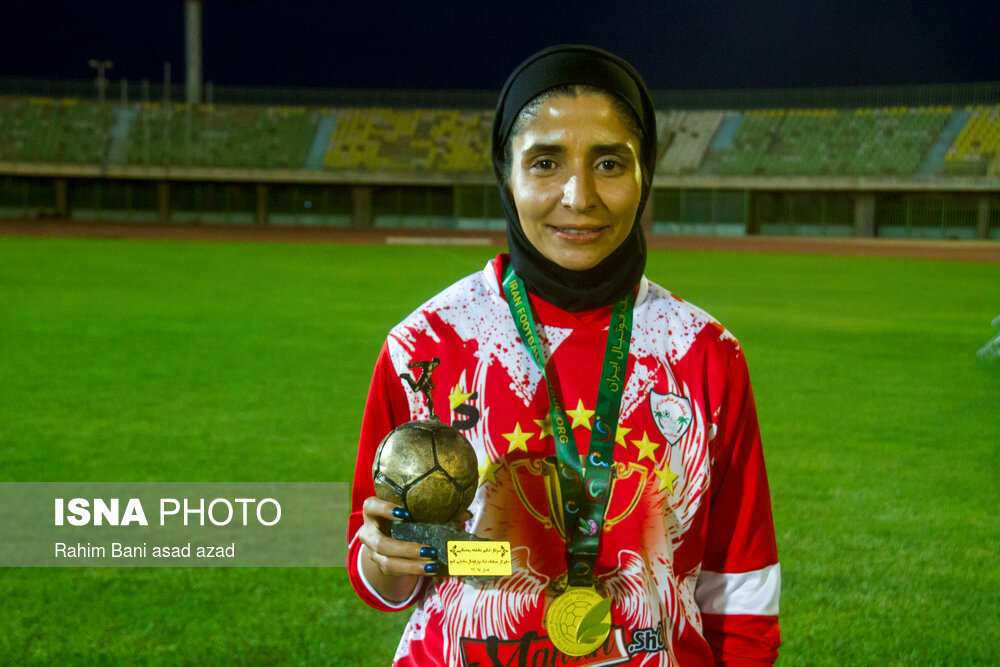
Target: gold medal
<point x="578" y="621"/>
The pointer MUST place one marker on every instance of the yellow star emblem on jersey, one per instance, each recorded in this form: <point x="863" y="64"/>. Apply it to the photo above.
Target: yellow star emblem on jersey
<point x="581" y="416"/>
<point x="545" y="425"/>
<point x="488" y="471"/>
<point x="518" y="439"/>
<point x="457" y="397"/>
<point x="646" y="447"/>
<point x="620" y="435"/>
<point x="667" y="478"/>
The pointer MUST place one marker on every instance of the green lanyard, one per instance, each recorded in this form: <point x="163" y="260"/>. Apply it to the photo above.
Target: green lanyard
<point x="584" y="494"/>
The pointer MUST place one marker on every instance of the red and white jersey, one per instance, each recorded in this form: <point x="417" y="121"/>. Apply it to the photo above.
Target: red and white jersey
<point x="688" y="551"/>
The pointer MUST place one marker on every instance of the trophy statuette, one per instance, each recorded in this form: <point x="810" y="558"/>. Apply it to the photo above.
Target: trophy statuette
<point x="430" y="469"/>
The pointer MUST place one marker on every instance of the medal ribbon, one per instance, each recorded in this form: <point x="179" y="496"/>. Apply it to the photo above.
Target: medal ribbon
<point x="584" y="492"/>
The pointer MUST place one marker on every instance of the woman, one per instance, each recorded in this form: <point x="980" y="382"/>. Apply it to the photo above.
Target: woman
<point x="659" y="548"/>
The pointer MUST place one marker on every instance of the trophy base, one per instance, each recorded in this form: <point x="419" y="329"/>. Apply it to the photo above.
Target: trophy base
<point x="437" y="535"/>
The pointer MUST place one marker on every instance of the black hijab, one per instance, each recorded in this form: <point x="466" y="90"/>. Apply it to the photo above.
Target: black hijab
<point x="620" y="271"/>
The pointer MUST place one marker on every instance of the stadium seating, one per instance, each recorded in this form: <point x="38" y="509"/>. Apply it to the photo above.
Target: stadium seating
<point x="684" y="137"/>
<point x="921" y="142"/>
<point x="812" y="142"/>
<point x="404" y="140"/>
<point x="43" y="129"/>
<point x="751" y="143"/>
<point x="976" y="151"/>
<point x="221" y="136"/>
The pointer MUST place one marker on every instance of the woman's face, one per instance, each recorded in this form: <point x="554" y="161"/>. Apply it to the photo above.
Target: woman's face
<point x="576" y="179"/>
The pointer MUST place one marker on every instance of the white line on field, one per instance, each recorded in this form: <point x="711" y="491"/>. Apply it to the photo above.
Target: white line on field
<point x="437" y="240"/>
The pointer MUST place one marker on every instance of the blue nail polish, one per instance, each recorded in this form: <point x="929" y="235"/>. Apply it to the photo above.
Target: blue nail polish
<point x="400" y="513"/>
<point x="428" y="552"/>
<point x="431" y="568"/>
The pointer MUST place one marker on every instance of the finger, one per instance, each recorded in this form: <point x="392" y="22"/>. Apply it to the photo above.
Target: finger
<point x="401" y="566"/>
<point x="376" y="507"/>
<point x="395" y="557"/>
<point x="380" y="543"/>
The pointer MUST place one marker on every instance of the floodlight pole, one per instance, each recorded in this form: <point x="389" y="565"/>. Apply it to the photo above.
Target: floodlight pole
<point x="192" y="42"/>
<point x="102" y="94"/>
<point x="102" y="82"/>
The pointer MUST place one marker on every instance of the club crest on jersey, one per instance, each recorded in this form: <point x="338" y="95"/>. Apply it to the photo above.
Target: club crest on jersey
<point x="672" y="414"/>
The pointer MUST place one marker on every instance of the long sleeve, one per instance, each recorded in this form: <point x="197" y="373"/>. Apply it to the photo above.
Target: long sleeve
<point x="740" y="581"/>
<point x="385" y="409"/>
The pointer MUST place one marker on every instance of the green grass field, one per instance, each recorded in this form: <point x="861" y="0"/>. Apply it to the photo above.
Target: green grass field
<point x="199" y="361"/>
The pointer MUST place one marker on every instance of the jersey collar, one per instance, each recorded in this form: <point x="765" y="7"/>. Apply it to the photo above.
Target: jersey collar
<point x="493" y="275"/>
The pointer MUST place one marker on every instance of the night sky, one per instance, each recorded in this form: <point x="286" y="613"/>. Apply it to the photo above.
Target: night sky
<point x="447" y="44"/>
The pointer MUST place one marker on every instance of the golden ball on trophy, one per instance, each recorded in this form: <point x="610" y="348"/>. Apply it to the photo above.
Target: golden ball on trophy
<point x="427" y="467"/>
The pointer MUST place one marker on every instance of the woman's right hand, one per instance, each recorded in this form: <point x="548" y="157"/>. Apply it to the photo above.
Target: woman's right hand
<point x="391" y="566"/>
